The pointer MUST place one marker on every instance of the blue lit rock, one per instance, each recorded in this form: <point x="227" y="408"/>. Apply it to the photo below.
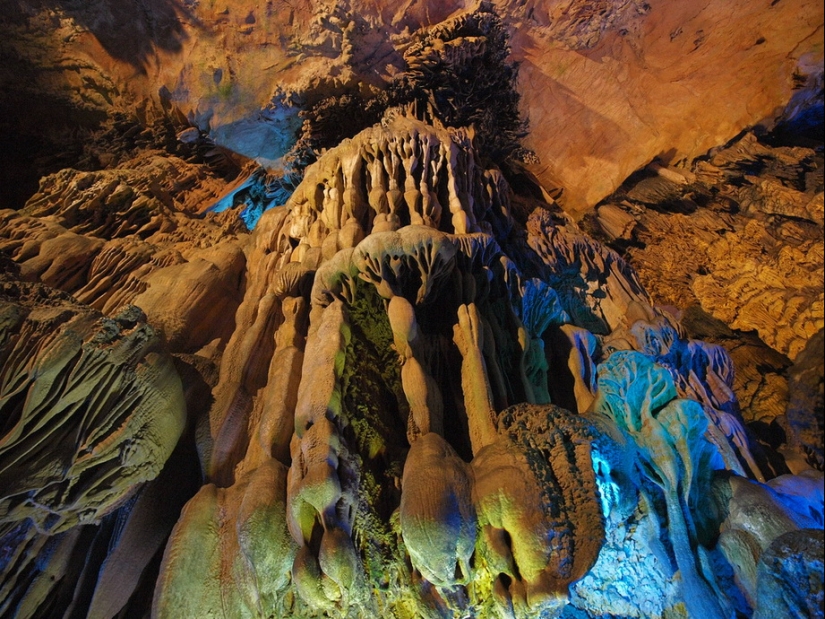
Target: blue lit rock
<point x="673" y="454"/>
<point x="633" y="576"/>
<point x="790" y="576"/>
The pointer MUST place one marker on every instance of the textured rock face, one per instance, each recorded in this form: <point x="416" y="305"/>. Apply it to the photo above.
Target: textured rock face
<point x="736" y="241"/>
<point x="415" y="389"/>
<point x="126" y="235"/>
<point x="91" y="410"/>
<point x="381" y="434"/>
<point x="616" y="67"/>
<point x="751" y="248"/>
<point x="805" y="417"/>
<point x="249" y="518"/>
<point x="69" y="372"/>
<point x="791" y="557"/>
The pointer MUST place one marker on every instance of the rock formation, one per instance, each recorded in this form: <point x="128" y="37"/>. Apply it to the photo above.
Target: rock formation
<point x="92" y="410"/>
<point x="235" y="69"/>
<point x="390" y="375"/>
<point x="717" y="241"/>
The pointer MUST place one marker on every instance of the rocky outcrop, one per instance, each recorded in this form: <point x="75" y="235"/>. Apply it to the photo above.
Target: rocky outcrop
<point x="104" y="382"/>
<point x="538" y="484"/>
<point x="805" y="416"/>
<point x="793" y="557"/>
<point x="763" y="521"/>
<point x="731" y="245"/>
<point x="91" y="407"/>
<point x="127" y="235"/>
<point x="750" y="258"/>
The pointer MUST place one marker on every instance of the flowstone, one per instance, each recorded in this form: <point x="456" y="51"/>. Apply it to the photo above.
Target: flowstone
<point x="413" y="489"/>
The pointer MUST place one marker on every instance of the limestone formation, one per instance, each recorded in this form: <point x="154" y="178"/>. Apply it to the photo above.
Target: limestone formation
<point x="792" y="558"/>
<point x="538" y="509"/>
<point x="122" y="236"/>
<point x="437" y="513"/>
<point x="805" y="417"/>
<point x="674" y="454"/>
<point x="200" y="576"/>
<point x="575" y="267"/>
<point x="394" y="261"/>
<point x="608" y="64"/>
<point x="368" y="365"/>
<point x="737" y="262"/>
<point x="92" y="407"/>
<point x="421" y="390"/>
<point x="748" y="262"/>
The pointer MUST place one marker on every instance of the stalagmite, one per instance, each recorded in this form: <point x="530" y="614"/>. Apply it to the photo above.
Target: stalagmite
<point x="438" y="521"/>
<point x="469" y="337"/>
<point x="421" y="390"/>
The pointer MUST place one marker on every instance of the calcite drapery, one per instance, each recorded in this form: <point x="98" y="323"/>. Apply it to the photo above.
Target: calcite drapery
<point x="91" y="408"/>
<point x="113" y="236"/>
<point x="392" y="288"/>
<point x="230" y="549"/>
<point x="437" y="513"/>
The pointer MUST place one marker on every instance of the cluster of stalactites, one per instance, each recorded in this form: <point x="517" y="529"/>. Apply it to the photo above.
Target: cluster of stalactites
<point x="443" y="46"/>
<point x="402" y="171"/>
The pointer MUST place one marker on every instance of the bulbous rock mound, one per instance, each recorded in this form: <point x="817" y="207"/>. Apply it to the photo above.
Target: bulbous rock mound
<point x="538" y="484"/>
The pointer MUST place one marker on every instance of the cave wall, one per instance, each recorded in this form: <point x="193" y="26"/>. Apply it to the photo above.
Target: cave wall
<point x="606" y="86"/>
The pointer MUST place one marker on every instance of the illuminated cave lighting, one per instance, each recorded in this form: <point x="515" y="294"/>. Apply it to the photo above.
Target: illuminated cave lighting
<point x="608" y="489"/>
<point x="254" y="196"/>
<point x="265" y="136"/>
